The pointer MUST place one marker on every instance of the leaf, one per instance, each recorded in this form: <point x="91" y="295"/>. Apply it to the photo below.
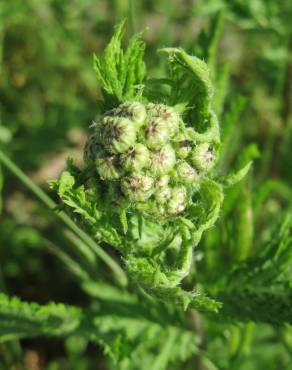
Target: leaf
<point x="66" y="183"/>
<point x="275" y="187"/>
<point x="234" y="178"/>
<point x="107" y="292"/>
<point x="194" y="299"/>
<point x="125" y="328"/>
<point x="75" y="198"/>
<point x="208" y="40"/>
<point x="231" y="117"/>
<point x="259" y="288"/>
<point x="124" y="222"/>
<point x="120" y="73"/>
<point x="20" y="319"/>
<point x="162" y="360"/>
<point x="212" y="197"/>
<point x="222" y="88"/>
<point x="162" y="283"/>
<point x="198" y="70"/>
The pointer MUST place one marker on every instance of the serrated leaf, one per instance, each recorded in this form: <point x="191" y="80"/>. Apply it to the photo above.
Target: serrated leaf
<point x="121" y="72"/>
<point x="234" y="178"/>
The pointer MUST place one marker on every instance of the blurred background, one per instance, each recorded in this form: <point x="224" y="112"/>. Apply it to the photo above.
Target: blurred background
<point x="48" y="95"/>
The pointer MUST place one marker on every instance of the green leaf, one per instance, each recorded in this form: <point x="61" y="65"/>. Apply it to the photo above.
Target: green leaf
<point x="66" y="182"/>
<point x="259" y="288"/>
<point x="124" y="222"/>
<point x="120" y="73"/>
<point x="234" y="178"/>
<point x="19" y="319"/>
<point x="197" y="70"/>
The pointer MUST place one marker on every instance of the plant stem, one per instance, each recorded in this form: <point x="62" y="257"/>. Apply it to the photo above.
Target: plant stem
<point x="132" y="16"/>
<point x="113" y="265"/>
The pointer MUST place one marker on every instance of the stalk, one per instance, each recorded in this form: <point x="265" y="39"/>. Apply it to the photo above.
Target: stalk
<point x="42" y="196"/>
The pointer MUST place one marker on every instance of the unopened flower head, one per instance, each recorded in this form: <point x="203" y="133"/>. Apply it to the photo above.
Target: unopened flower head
<point x="145" y="159"/>
<point x="163" y="195"/>
<point x="185" y="171"/>
<point x="134" y="111"/>
<point x="138" y="188"/>
<point x="183" y="148"/>
<point x="91" y="150"/>
<point x="166" y="114"/>
<point x="163" y="160"/>
<point x="156" y="133"/>
<point x="107" y="168"/>
<point x="135" y="158"/>
<point x="119" y="135"/>
<point x="162" y="181"/>
<point x="203" y="157"/>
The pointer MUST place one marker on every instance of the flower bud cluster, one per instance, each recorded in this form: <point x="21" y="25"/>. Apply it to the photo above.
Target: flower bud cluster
<point x="146" y="160"/>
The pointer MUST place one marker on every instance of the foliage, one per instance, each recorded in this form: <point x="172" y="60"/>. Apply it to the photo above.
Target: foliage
<point x="75" y="256"/>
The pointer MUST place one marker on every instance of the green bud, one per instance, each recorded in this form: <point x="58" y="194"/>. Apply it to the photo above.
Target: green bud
<point x="163" y="195"/>
<point x="108" y="118"/>
<point x="183" y="149"/>
<point x="135" y="158"/>
<point x="202" y="157"/>
<point x="134" y="111"/>
<point x="174" y="208"/>
<point x="162" y="181"/>
<point x="160" y="210"/>
<point x="185" y="173"/>
<point x="137" y="188"/>
<point x="179" y="194"/>
<point x="167" y="114"/>
<point x="162" y="160"/>
<point x="119" y="134"/>
<point x="92" y="149"/>
<point x="148" y="159"/>
<point x="156" y="133"/>
<point x="177" y="203"/>
<point x="107" y="168"/>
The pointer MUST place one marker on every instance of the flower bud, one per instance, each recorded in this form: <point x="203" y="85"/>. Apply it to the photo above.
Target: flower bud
<point x="183" y="149"/>
<point x="134" y="111"/>
<point x="177" y="203"/>
<point x="167" y="114"/>
<point x="90" y="149"/>
<point x="119" y="134"/>
<point x="174" y="208"/>
<point x="202" y="157"/>
<point x="162" y="181"/>
<point x="107" y="167"/>
<point x="162" y="160"/>
<point x="185" y="173"/>
<point x="161" y="210"/>
<point x="108" y="118"/>
<point x="163" y="195"/>
<point x="156" y="133"/>
<point x="179" y="194"/>
<point x="135" y="158"/>
<point x="147" y="158"/>
<point x="137" y="188"/>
